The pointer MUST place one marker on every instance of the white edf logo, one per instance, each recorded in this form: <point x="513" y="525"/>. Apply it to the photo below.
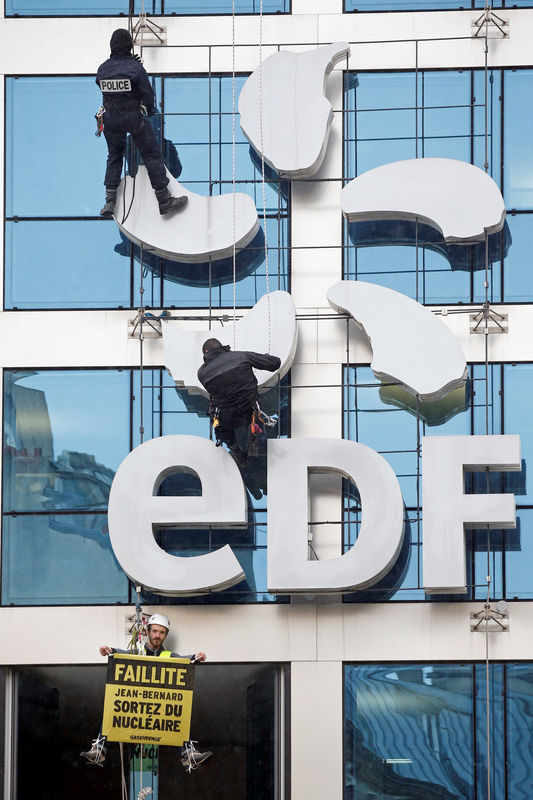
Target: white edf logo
<point x="421" y="354"/>
<point x="135" y="510"/>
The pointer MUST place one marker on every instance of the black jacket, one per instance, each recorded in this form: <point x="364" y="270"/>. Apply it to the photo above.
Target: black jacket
<point x="229" y="378"/>
<point x="127" y="82"/>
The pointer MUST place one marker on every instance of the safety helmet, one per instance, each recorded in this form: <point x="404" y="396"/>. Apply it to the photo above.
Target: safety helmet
<point x="159" y="619"/>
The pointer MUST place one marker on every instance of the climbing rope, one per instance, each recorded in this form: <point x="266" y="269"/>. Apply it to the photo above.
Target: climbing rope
<point x="234" y="249"/>
<point x="124" y="785"/>
<point x="486" y="307"/>
<point x="263" y="166"/>
<point x="263" y="181"/>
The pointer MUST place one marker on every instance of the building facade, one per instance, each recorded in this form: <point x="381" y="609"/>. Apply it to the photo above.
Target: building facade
<point x="383" y="693"/>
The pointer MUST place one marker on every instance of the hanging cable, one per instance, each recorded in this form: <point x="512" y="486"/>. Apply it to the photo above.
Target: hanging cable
<point x="486" y="337"/>
<point x="141" y="346"/>
<point x="263" y="166"/>
<point x="124" y="786"/>
<point x="234" y="249"/>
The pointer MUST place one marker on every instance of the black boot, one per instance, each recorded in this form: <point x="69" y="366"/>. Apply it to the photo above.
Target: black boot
<point x="110" y="199"/>
<point x="167" y="203"/>
<point x="240" y="456"/>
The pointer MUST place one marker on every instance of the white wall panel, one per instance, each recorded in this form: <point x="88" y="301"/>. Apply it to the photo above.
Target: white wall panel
<point x="316" y="730"/>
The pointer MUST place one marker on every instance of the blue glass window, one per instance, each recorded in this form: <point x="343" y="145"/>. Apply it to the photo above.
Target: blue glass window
<point x="389" y="421"/>
<point x="404" y="5"/>
<point x="420" y="730"/>
<point x="64" y="8"/>
<point x="427" y="5"/>
<point x="441" y="113"/>
<point x="60" y="254"/>
<point x="65" y="434"/>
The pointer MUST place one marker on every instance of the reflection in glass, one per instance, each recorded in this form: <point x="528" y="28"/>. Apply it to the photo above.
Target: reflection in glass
<point x="433" y="413"/>
<point x="64" y="264"/>
<point x="58" y="559"/>
<point x="404" y="5"/>
<point x="518" y="287"/>
<point x="430" y="113"/>
<point x="199" y="274"/>
<point x="519" y="708"/>
<point x="65" y="433"/>
<point x="59" y="254"/>
<point x="408" y="732"/>
<point x="420" y="731"/>
<point x="387" y="419"/>
<point x="44" y="174"/>
<point x="376" y="233"/>
<point x="63" y="8"/>
<point x="518" y="184"/>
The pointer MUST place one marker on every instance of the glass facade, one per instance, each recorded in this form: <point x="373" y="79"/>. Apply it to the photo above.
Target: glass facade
<point x="65" y="434"/>
<point x="59" y="254"/>
<point x="441" y="113"/>
<point x="420" y="730"/>
<point x="428" y="5"/>
<point x="387" y="419"/>
<point x="82" y="8"/>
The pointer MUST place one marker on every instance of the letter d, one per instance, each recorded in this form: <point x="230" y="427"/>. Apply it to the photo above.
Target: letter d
<point x="380" y="538"/>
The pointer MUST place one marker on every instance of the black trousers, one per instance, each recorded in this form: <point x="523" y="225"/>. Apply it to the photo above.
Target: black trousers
<point x="233" y="426"/>
<point x="116" y="127"/>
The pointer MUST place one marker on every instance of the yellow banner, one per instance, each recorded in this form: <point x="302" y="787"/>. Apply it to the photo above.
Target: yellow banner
<point x="148" y="700"/>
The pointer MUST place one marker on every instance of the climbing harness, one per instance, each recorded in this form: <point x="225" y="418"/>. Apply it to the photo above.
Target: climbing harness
<point x="143" y="793"/>
<point x="214" y="416"/>
<point x="255" y="429"/>
<point x="253" y="436"/>
<point x="265" y="419"/>
<point x="99" y="117"/>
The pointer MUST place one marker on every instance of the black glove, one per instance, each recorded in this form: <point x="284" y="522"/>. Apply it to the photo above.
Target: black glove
<point x="137" y="57"/>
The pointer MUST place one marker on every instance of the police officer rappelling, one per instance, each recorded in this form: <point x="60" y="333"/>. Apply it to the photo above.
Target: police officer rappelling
<point x="128" y="101"/>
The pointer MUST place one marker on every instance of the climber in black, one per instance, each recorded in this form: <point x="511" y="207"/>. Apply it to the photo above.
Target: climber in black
<point x="229" y="378"/>
<point x="128" y="101"/>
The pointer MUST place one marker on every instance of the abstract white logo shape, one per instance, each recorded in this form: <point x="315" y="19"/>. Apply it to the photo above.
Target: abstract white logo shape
<point x="459" y="200"/>
<point x="410" y="345"/>
<point x="134" y="511"/>
<point x="447" y="510"/>
<point x="202" y="230"/>
<point x="296" y="116"/>
<point x="274" y="311"/>
<point x="382" y="522"/>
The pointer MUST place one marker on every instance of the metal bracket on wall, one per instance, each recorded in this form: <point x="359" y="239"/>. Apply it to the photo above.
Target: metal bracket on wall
<point x="488" y="321"/>
<point x="145" y="31"/>
<point x="496" y="618"/>
<point x="490" y="25"/>
<point x="151" y="325"/>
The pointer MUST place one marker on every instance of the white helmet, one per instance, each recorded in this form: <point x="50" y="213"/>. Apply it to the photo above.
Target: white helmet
<point x="159" y="619"/>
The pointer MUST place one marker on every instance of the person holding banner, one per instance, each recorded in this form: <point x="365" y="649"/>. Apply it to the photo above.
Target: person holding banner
<point x="158" y="628"/>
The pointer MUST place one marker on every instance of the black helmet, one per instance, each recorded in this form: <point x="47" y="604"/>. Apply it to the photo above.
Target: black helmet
<point x="210" y="344"/>
<point x="213" y="344"/>
<point x="121" y="42"/>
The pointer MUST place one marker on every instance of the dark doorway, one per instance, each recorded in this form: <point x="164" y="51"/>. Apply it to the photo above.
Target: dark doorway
<point x="237" y="710"/>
